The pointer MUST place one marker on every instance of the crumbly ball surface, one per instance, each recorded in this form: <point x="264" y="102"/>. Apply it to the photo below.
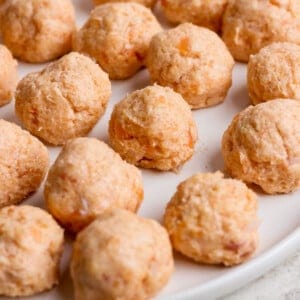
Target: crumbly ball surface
<point x="121" y="256"/>
<point x="213" y="220"/>
<point x="194" y="62"/>
<point x="63" y="101"/>
<point x="37" y="31"/>
<point x="153" y="128"/>
<point x="88" y="178"/>
<point x="262" y="146"/>
<point x="23" y="163"/>
<point x="31" y="245"/>
<point x="117" y="36"/>
<point x="147" y="3"/>
<point x="8" y="75"/>
<point x="199" y="12"/>
<point x="249" y="26"/>
<point x="274" y="73"/>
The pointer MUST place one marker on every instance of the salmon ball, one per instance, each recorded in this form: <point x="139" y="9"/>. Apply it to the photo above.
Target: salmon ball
<point x="23" y="163"/>
<point x="194" y="62"/>
<point x="38" y="31"/>
<point x="153" y="128"/>
<point x="262" y="146"/>
<point x="88" y="178"/>
<point x="117" y="36"/>
<point x="8" y="75"/>
<point x="63" y="101"/>
<point x="200" y="12"/>
<point x="274" y="73"/>
<point x="213" y="220"/>
<point x="249" y="26"/>
<point x="31" y="245"/>
<point x="148" y="3"/>
<point x="121" y="256"/>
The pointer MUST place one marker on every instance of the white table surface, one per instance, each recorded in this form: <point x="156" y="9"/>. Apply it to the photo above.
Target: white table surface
<point x="281" y="283"/>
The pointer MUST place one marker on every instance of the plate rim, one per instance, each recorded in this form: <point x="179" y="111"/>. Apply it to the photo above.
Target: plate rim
<point x="230" y="282"/>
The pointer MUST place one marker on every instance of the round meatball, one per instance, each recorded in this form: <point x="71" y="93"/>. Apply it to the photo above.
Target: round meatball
<point x="262" y="146"/>
<point x="38" y="31"/>
<point x="8" y="75"/>
<point x="213" y="220"/>
<point x="121" y="256"/>
<point x="249" y="26"/>
<point x="274" y="73"/>
<point x="153" y="128"/>
<point x="200" y="12"/>
<point x="117" y="36"/>
<point x="31" y="245"/>
<point x="87" y="178"/>
<point x="194" y="62"/>
<point x="63" y="101"/>
<point x="23" y="163"/>
<point x="148" y="3"/>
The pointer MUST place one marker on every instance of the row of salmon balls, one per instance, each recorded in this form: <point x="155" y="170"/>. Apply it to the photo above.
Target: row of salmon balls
<point x="38" y="32"/>
<point x="272" y="73"/>
<point x="191" y="60"/>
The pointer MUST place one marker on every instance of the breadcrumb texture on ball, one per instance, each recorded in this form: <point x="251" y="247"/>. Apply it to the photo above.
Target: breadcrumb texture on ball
<point x="153" y="128"/>
<point x="200" y="12"/>
<point x="117" y="36"/>
<point x="262" y="146"/>
<point x="249" y="26"/>
<point x="8" y="75"/>
<point x="121" y="256"/>
<point x="147" y="3"/>
<point x="194" y="62"/>
<point x="274" y="73"/>
<point x="31" y="245"/>
<point x="38" y="31"/>
<point x="23" y="163"/>
<point x="63" y="101"/>
<point x="88" y="178"/>
<point x="213" y="220"/>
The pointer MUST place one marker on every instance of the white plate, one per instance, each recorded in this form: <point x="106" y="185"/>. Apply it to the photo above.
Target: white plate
<point x="280" y="215"/>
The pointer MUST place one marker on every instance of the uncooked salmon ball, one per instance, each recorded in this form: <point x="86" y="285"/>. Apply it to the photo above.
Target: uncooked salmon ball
<point x="117" y="36"/>
<point x="38" y="31"/>
<point x="121" y="256"/>
<point x="8" y="75"/>
<point x="249" y="26"/>
<point x="194" y="62"/>
<point x="153" y="128"/>
<point x="262" y="146"/>
<point x="200" y="12"/>
<point x="274" y="73"/>
<point x="213" y="220"/>
<point x="31" y="245"/>
<point x="63" y="101"/>
<point x="88" y="178"/>
<point x="23" y="163"/>
<point x="148" y="3"/>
